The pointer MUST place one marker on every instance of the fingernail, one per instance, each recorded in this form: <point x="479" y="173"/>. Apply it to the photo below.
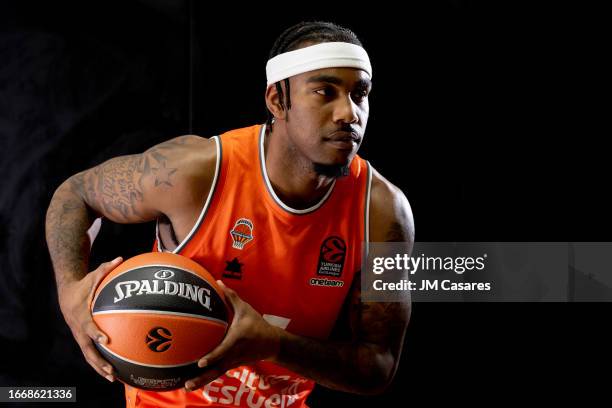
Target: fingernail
<point x="110" y="378"/>
<point x="189" y="385"/>
<point x="102" y="339"/>
<point x="117" y="259"/>
<point x="108" y="369"/>
<point x="202" y="363"/>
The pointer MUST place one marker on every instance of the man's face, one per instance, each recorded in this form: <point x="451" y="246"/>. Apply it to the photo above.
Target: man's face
<point x="328" y="115"/>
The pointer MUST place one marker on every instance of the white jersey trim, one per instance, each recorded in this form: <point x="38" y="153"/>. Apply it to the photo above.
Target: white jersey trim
<point x="262" y="159"/>
<point x="367" y="208"/>
<point x="198" y="223"/>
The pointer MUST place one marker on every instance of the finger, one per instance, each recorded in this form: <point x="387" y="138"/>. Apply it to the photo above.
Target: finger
<point x="94" y="333"/>
<point x="94" y="358"/>
<point x="105" y="268"/>
<point x="99" y="371"/>
<point x="208" y="376"/>
<point x="230" y="294"/>
<point x="218" y="352"/>
<point x="101" y="272"/>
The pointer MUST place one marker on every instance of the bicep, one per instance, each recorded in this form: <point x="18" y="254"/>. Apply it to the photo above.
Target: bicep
<point x="138" y="187"/>
<point x="118" y="189"/>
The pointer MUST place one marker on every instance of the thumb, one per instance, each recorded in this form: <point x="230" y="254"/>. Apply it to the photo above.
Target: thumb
<point x="92" y="329"/>
<point x="104" y="269"/>
<point x="230" y="294"/>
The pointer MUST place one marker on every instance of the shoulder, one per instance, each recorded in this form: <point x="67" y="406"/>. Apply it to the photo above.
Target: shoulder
<point x="391" y="216"/>
<point x="189" y="155"/>
<point x="185" y="164"/>
<point x="184" y="150"/>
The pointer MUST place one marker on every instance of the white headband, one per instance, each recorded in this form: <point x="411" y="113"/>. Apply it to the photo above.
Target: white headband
<point x="324" y="55"/>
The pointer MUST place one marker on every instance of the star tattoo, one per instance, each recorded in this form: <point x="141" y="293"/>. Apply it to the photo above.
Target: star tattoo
<point x="162" y="174"/>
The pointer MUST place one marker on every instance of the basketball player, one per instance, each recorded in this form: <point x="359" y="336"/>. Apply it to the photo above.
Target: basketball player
<point x="278" y="212"/>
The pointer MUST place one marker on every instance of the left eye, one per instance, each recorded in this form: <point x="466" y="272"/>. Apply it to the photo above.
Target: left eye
<point x="360" y="95"/>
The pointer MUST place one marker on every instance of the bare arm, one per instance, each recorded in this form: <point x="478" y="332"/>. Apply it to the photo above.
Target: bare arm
<point x="367" y="362"/>
<point x="112" y="190"/>
<point x="363" y="363"/>
<point x="127" y="189"/>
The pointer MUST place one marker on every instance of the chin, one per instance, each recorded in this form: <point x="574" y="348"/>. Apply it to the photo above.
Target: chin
<point x="336" y="170"/>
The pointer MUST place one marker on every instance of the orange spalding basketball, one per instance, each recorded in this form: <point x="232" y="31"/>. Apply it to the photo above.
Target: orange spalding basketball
<point x="161" y="312"/>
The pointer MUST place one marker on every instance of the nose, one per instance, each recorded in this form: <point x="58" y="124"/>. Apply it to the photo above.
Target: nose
<point x="346" y="110"/>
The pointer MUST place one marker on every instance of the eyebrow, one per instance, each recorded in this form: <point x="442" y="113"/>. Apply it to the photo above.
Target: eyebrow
<point x="337" y="81"/>
<point x="364" y="83"/>
<point x="325" y="78"/>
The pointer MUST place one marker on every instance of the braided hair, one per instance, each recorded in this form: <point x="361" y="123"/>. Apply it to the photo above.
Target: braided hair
<point x="294" y="37"/>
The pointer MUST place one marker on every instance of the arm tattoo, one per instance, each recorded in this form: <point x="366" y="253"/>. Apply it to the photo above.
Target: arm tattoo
<point x="116" y="188"/>
<point x="363" y="353"/>
<point x="369" y="335"/>
<point x="67" y="221"/>
<point x="376" y="322"/>
<point x="162" y="174"/>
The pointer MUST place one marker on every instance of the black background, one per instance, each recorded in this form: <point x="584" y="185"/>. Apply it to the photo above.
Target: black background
<point x="489" y="118"/>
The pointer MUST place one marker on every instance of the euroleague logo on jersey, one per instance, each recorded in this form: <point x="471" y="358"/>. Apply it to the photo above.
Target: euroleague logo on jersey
<point x="331" y="262"/>
<point x="331" y="257"/>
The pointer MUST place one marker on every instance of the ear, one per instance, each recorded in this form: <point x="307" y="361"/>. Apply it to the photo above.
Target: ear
<point x="274" y="103"/>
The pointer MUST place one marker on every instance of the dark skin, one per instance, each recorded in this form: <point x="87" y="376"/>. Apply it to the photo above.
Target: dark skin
<point x="325" y="125"/>
<point x="327" y="105"/>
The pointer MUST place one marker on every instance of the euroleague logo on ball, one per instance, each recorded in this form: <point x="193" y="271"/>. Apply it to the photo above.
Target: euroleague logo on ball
<point x="159" y="339"/>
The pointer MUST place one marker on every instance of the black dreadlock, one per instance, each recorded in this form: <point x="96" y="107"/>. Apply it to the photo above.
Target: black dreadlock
<point x="292" y="38"/>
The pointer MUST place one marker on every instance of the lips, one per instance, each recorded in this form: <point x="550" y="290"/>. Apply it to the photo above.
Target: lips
<point x="344" y="136"/>
<point x="343" y="140"/>
<point x="343" y="144"/>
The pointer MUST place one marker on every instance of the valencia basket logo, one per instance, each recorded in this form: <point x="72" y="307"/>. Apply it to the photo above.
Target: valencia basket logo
<point x="242" y="233"/>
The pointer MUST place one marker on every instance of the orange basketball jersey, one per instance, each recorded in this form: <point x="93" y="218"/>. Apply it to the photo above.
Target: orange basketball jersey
<point x="295" y="267"/>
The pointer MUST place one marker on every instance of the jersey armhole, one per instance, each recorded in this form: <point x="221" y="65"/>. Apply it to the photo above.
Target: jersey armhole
<point x="200" y="220"/>
<point x="366" y="224"/>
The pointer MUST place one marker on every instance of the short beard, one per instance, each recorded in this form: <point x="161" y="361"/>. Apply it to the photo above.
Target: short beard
<point x="331" y="170"/>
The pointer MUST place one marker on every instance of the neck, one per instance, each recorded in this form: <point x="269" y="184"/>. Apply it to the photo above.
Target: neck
<point x="291" y="175"/>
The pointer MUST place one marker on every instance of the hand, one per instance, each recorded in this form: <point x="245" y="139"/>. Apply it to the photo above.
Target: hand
<point x="249" y="338"/>
<point x="75" y="299"/>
